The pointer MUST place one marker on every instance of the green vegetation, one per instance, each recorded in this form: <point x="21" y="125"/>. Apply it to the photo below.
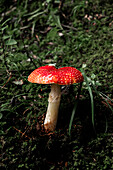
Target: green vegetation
<point x="65" y="33"/>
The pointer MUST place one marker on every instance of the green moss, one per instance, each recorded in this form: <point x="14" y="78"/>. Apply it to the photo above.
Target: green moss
<point x="40" y="33"/>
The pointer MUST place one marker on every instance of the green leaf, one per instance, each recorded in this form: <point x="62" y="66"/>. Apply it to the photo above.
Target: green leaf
<point x="6" y="37"/>
<point x="56" y="19"/>
<point x="48" y="1"/>
<point x="1" y="115"/>
<point x="52" y="33"/>
<point x="10" y="42"/>
<point x="4" y="28"/>
<point x="93" y="76"/>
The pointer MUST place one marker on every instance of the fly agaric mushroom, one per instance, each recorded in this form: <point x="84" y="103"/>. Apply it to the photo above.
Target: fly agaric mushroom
<point x="51" y="75"/>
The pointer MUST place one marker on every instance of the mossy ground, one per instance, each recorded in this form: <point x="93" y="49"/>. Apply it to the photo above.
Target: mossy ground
<point x="71" y="33"/>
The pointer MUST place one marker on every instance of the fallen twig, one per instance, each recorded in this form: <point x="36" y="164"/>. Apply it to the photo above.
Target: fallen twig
<point x="23" y="134"/>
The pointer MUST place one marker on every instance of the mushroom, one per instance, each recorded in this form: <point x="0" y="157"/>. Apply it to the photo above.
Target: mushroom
<point x="55" y="77"/>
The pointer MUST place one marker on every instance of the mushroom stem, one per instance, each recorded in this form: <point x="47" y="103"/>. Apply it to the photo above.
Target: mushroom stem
<point x="53" y="107"/>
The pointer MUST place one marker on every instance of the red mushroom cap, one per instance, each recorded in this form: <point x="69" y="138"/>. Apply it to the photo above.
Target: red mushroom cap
<point x="51" y="75"/>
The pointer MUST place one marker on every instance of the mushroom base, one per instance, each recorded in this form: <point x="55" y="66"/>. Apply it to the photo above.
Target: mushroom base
<point x="53" y="107"/>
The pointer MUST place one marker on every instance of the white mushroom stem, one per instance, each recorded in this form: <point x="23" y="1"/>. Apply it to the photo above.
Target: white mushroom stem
<point x="53" y="107"/>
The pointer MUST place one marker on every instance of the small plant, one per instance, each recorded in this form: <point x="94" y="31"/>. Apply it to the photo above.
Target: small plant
<point x="90" y="85"/>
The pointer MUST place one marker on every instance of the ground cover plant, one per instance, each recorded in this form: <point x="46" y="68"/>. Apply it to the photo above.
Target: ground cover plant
<point x="64" y="33"/>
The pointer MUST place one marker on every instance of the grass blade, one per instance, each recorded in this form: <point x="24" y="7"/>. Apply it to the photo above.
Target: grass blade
<point x="91" y="96"/>
<point x="32" y="13"/>
<point x="106" y="128"/>
<point x="72" y="117"/>
<point x="5" y="22"/>
<point x="74" y="109"/>
<point x="35" y="15"/>
<point x="104" y="97"/>
<point x="102" y="94"/>
<point x="107" y="102"/>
